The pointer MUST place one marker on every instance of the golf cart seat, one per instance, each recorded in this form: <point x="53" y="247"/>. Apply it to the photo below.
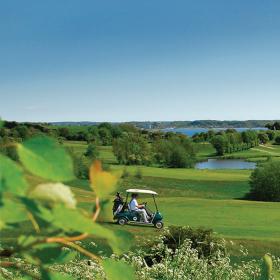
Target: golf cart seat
<point x="118" y="210"/>
<point x="133" y="212"/>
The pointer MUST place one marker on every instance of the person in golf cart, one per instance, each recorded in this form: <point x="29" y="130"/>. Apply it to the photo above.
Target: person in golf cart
<point x="140" y="208"/>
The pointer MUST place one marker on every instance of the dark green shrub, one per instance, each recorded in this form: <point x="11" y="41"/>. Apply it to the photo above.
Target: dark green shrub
<point x="277" y="140"/>
<point x="202" y="240"/>
<point x="176" y="152"/>
<point x="92" y="152"/>
<point x="265" y="182"/>
<point x="132" y="148"/>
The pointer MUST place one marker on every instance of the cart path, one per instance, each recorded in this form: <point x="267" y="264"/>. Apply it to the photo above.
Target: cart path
<point x="268" y="152"/>
<point x="268" y="147"/>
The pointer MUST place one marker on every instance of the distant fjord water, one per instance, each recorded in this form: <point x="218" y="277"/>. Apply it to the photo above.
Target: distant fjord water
<point x="191" y="131"/>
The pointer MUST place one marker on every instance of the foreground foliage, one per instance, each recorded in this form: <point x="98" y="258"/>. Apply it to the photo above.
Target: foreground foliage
<point x="50" y="208"/>
<point x="182" y="260"/>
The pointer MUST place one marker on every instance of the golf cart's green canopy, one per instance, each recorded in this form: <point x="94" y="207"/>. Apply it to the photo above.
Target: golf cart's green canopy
<point x="141" y="191"/>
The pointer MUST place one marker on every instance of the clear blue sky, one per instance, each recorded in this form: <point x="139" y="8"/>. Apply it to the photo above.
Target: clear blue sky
<point x="125" y="60"/>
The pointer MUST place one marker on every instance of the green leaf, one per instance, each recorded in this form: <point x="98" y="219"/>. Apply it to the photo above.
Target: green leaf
<point x="118" y="270"/>
<point x="50" y="254"/>
<point x="70" y="219"/>
<point x="102" y="182"/>
<point x="11" y="177"/>
<point x="266" y="268"/>
<point x="12" y="212"/>
<point x="47" y="159"/>
<point x="25" y="240"/>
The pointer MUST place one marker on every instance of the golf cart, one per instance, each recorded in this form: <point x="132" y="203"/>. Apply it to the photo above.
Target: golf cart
<point x="124" y="215"/>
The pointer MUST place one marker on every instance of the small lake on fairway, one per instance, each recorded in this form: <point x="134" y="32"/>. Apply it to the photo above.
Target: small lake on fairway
<point x="225" y="164"/>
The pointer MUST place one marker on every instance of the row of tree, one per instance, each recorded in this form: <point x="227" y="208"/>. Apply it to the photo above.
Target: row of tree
<point x="103" y="134"/>
<point x="234" y="141"/>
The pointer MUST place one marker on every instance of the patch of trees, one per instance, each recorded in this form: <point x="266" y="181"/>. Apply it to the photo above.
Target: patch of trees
<point x="176" y="152"/>
<point x="265" y="182"/>
<point x="273" y="126"/>
<point x="168" y="150"/>
<point x="22" y="131"/>
<point x="132" y="148"/>
<point x="103" y="134"/>
<point x="229" y="142"/>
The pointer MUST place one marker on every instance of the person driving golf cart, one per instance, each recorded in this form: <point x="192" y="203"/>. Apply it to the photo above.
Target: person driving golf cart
<point x="134" y="213"/>
<point x="140" y="208"/>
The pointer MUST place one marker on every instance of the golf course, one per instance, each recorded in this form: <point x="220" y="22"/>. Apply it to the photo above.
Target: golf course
<point x="210" y="198"/>
<point x="201" y="198"/>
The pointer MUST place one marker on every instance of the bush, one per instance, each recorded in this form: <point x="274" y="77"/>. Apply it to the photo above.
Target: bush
<point x="177" y="152"/>
<point x="132" y="148"/>
<point x="92" y="153"/>
<point x="202" y="240"/>
<point x="79" y="166"/>
<point x="265" y="182"/>
<point x="277" y="140"/>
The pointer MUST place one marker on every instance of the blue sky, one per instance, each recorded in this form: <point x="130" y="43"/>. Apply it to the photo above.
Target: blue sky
<point x="139" y="60"/>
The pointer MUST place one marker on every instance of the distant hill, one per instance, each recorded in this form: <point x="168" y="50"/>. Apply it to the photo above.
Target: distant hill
<point x="181" y="124"/>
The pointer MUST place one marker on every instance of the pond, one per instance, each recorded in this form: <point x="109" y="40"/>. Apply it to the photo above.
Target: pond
<point x="225" y="164"/>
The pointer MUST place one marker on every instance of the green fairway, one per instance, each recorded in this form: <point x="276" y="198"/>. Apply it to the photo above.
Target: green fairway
<point x="233" y="219"/>
<point x="190" y="174"/>
<point x="79" y="148"/>
<point x="204" y="150"/>
<point x="169" y="187"/>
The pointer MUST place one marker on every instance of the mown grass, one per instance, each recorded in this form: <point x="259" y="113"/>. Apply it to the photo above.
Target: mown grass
<point x="204" y="150"/>
<point x="169" y="187"/>
<point x="189" y="174"/>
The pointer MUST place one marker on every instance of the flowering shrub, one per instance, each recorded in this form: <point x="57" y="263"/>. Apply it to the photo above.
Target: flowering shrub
<point x="184" y="263"/>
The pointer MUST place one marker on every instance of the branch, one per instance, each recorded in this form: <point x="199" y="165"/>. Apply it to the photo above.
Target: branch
<point x="97" y="211"/>
<point x="77" y="248"/>
<point x="70" y="239"/>
<point x="33" y="221"/>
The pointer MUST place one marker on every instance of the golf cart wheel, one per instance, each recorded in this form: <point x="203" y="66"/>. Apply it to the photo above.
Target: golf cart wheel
<point x="122" y="221"/>
<point x="159" y="225"/>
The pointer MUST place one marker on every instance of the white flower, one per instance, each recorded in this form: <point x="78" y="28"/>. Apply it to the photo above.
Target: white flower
<point x="54" y="193"/>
